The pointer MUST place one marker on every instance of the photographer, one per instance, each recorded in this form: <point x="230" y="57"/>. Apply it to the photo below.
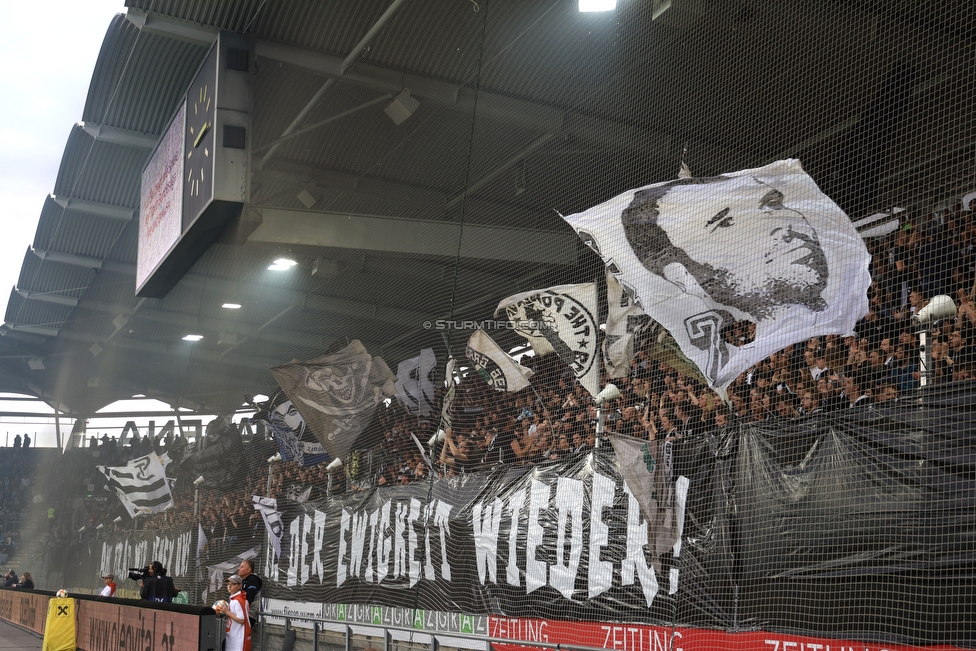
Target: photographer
<point x="157" y="586"/>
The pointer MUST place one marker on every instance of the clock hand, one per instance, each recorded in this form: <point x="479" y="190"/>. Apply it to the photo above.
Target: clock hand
<point x="203" y="131"/>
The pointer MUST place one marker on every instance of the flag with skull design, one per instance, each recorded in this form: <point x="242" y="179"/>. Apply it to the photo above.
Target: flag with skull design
<point x="337" y="394"/>
<point x="762" y="245"/>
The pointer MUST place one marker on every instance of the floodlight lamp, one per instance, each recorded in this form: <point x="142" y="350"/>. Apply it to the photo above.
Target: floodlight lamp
<point x="275" y="458"/>
<point x="199" y="480"/>
<point x="82" y="530"/>
<point x="282" y="264"/>
<point x="100" y="527"/>
<point x="610" y="392"/>
<point x="590" y="6"/>
<point x="335" y="464"/>
<point x="192" y="337"/>
<point x="117" y="520"/>
<point x="231" y="306"/>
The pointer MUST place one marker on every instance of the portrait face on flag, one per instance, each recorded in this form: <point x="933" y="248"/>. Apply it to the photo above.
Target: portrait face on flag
<point x="762" y="245"/>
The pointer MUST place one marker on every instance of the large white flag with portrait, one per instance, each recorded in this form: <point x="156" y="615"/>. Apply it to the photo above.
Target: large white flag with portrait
<point x="762" y="245"/>
<point x="562" y="320"/>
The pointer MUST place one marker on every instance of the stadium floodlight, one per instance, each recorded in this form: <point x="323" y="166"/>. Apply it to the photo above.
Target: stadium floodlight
<point x="591" y="6"/>
<point x="941" y="307"/>
<point x="275" y="458"/>
<point x="100" y="527"/>
<point x="117" y="520"/>
<point x="335" y="464"/>
<point x="199" y="480"/>
<point x="282" y="264"/>
<point x="610" y="392"/>
<point x="82" y="530"/>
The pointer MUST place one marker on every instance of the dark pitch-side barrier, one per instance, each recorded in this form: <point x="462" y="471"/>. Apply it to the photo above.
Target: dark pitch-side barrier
<point x="856" y="524"/>
<point x="112" y="624"/>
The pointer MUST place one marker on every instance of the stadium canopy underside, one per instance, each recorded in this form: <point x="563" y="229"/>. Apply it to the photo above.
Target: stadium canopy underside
<point x="527" y="110"/>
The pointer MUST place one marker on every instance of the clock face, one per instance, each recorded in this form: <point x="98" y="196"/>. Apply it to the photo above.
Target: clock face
<point x="198" y="146"/>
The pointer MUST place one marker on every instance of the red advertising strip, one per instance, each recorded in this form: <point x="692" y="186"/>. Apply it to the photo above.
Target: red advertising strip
<point x="639" y="637"/>
<point x="25" y="609"/>
<point x="103" y="626"/>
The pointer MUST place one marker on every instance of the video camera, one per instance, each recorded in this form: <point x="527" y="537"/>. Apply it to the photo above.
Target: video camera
<point x="138" y="573"/>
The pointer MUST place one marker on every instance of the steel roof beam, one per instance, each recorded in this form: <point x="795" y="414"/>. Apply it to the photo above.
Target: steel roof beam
<point x="318" y="302"/>
<point x="94" y="208"/>
<point x="46" y="297"/>
<point x="445" y="94"/>
<point x="413" y="236"/>
<point x="117" y="136"/>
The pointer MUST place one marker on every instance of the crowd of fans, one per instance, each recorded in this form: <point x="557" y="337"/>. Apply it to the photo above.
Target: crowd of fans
<point x="16" y="493"/>
<point x="932" y="255"/>
<point x="556" y="418"/>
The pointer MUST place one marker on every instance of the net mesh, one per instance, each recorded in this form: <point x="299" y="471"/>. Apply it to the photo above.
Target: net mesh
<point x="806" y="478"/>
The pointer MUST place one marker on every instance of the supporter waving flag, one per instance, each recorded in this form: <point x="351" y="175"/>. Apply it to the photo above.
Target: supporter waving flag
<point x="499" y="370"/>
<point x="337" y="394"/>
<point x="140" y="484"/>
<point x="762" y="245"/>
<point x="415" y="383"/>
<point x="562" y="320"/>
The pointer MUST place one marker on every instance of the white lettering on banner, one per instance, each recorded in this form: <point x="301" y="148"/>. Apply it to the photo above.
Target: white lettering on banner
<point x="569" y="504"/>
<point x="515" y="504"/>
<point x="384" y="545"/>
<point x="438" y="516"/>
<point x="790" y="645"/>
<point x="638" y="638"/>
<point x="413" y="563"/>
<point x="174" y="553"/>
<point x="562" y="573"/>
<point x="318" y="567"/>
<point x="600" y="575"/>
<point x="367" y="546"/>
<point x="306" y="530"/>
<point x="486" y="538"/>
<point x="359" y="523"/>
<point x="119" y="557"/>
<point x="513" y="628"/>
<point x="399" y="547"/>
<point x="636" y="561"/>
<point x="371" y="553"/>
<point x="341" y="570"/>
<point x="535" y="570"/>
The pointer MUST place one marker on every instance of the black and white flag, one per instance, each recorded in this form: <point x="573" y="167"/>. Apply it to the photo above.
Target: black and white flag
<point x="268" y="508"/>
<point x="626" y="323"/>
<point x="337" y="394"/>
<point x="140" y="484"/>
<point x="450" y="384"/>
<point x="415" y="383"/>
<point x="498" y="369"/>
<point x="562" y="320"/>
<point x="287" y="427"/>
<point x="648" y="472"/>
<point x="762" y="245"/>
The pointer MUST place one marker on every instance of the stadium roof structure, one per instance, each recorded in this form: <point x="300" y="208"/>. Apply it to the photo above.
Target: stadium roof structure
<point x="526" y="110"/>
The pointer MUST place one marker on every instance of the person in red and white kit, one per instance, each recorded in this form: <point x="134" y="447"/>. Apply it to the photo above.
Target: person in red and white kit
<point x="238" y="636"/>
<point x="110" y="587"/>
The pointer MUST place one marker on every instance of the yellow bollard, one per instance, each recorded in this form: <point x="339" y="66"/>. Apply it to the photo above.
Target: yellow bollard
<point x="59" y="633"/>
